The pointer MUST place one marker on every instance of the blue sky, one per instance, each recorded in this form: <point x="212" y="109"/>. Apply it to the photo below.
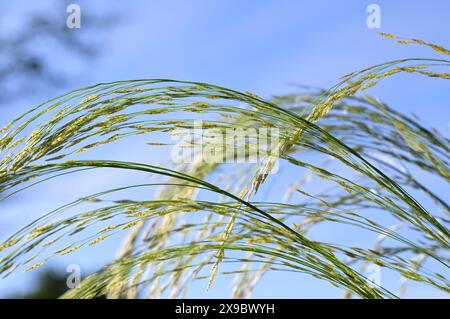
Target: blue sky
<point x="257" y="46"/>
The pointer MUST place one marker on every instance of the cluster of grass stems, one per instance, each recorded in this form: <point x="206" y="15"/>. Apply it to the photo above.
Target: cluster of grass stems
<point x="203" y="219"/>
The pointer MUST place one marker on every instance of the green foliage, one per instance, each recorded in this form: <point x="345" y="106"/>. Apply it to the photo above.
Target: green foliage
<point x="365" y="154"/>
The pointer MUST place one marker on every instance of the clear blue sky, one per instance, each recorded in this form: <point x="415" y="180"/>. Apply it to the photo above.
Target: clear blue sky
<point x="256" y="46"/>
